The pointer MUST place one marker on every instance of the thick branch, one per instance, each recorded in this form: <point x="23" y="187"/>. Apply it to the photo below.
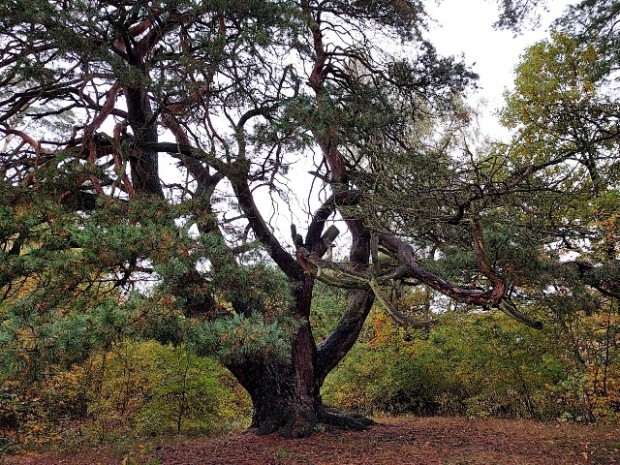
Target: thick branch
<point x="509" y="309"/>
<point x="335" y="346"/>
<point x="35" y="144"/>
<point x="283" y="259"/>
<point x="106" y="109"/>
<point x="493" y="297"/>
<point x="190" y="152"/>
<point x="406" y="257"/>
<point x="340" y="199"/>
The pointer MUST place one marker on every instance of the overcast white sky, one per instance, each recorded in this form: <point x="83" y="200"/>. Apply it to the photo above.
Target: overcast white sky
<point x="466" y="27"/>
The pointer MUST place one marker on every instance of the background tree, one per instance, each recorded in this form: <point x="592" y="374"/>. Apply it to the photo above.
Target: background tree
<point x="142" y="144"/>
<point x="565" y="111"/>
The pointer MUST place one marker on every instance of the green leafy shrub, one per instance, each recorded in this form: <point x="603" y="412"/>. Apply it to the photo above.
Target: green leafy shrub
<point x="150" y="389"/>
<point x="480" y="365"/>
<point x="137" y="389"/>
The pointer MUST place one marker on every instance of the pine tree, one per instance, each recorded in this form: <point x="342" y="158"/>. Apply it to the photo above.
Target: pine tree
<point x="142" y="139"/>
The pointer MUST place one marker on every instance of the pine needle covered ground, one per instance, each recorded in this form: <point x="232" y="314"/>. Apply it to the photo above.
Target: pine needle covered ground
<point x="420" y="441"/>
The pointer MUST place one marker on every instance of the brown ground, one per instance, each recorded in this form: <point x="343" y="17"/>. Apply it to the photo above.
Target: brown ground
<point x="419" y="441"/>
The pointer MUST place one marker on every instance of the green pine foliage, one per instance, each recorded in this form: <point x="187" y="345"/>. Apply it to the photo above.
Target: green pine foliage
<point x="64" y="298"/>
<point x="243" y="338"/>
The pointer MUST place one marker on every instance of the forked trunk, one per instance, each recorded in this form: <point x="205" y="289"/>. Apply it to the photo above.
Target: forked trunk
<point x="279" y="407"/>
<point x="286" y="396"/>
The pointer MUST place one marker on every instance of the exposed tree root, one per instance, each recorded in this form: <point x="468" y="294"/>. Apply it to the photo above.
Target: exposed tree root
<point x="301" y="423"/>
<point x="340" y="420"/>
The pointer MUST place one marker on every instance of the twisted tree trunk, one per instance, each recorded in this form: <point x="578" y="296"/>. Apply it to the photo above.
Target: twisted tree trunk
<point x="286" y="396"/>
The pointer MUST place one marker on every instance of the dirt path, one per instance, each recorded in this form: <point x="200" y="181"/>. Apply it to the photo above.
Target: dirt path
<point x="419" y="441"/>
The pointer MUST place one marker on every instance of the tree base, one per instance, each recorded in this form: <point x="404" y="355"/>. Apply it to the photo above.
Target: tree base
<point x="302" y="423"/>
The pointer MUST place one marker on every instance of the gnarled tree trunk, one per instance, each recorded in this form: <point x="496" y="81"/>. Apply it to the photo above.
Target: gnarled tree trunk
<point x="280" y="405"/>
<point x="286" y="396"/>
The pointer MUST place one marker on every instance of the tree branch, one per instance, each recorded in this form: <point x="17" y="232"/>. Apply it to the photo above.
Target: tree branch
<point x="283" y="259"/>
